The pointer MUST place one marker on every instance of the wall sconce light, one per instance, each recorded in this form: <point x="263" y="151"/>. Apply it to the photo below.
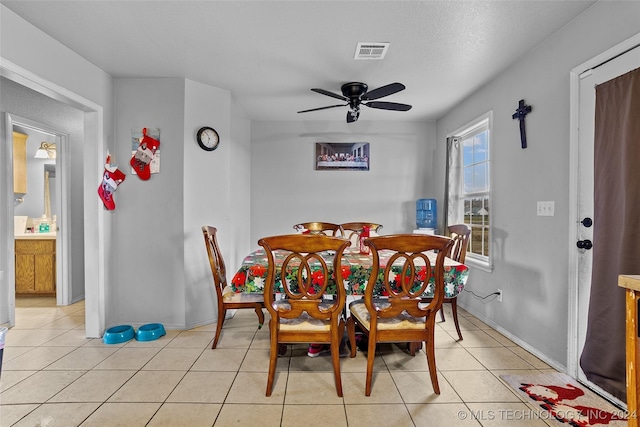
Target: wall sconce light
<point x="47" y="150"/>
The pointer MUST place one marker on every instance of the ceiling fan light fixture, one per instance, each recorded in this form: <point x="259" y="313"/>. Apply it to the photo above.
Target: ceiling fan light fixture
<point x="371" y="50"/>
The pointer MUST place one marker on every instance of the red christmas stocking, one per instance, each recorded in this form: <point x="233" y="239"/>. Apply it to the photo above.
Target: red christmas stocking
<point x="141" y="160"/>
<point x="111" y="178"/>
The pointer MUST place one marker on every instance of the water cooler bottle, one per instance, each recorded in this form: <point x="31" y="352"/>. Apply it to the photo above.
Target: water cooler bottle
<point x="426" y="216"/>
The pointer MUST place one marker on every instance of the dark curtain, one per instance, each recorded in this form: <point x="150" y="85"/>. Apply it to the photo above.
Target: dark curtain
<point x="616" y="233"/>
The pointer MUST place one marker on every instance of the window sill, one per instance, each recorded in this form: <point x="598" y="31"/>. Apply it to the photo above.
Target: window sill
<point x="470" y="262"/>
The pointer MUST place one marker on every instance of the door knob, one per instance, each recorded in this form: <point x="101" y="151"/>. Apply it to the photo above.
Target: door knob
<point x="584" y="244"/>
<point x="587" y="222"/>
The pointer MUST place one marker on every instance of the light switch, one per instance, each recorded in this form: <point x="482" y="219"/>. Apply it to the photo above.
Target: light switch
<point x="546" y="208"/>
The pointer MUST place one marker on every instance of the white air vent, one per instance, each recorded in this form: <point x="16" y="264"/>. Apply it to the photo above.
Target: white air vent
<point x="371" y="50"/>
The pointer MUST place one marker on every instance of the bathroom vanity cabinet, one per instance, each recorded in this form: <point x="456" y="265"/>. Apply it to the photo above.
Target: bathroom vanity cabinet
<point x="35" y="266"/>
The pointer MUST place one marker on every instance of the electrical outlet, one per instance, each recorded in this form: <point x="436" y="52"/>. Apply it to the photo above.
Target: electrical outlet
<point x="499" y="295"/>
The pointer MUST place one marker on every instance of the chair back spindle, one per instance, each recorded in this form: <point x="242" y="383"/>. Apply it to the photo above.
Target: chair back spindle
<point x="460" y="234"/>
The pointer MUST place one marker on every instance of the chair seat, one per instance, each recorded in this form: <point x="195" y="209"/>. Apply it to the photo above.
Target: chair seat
<point x="404" y="321"/>
<point x="228" y="295"/>
<point x="303" y="322"/>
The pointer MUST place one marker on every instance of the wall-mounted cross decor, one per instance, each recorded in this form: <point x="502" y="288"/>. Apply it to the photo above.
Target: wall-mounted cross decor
<point x="520" y="113"/>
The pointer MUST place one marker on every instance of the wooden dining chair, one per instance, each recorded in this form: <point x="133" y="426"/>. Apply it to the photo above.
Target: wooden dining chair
<point x="402" y="316"/>
<point x="326" y="228"/>
<point x="353" y="230"/>
<point x="306" y="314"/>
<point x="226" y="298"/>
<point x="460" y="234"/>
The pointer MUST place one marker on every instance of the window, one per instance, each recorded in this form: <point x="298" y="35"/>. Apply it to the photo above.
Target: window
<point x="469" y="186"/>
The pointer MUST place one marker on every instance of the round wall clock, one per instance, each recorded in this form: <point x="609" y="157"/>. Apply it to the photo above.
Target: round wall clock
<point x="208" y="139"/>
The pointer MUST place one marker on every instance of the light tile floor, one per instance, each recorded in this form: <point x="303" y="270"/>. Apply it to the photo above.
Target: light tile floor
<point x="53" y="376"/>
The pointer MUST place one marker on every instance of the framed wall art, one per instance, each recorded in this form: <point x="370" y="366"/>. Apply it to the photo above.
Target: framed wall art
<point x="342" y="156"/>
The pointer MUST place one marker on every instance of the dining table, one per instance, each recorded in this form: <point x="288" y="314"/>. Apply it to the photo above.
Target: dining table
<point x="355" y="271"/>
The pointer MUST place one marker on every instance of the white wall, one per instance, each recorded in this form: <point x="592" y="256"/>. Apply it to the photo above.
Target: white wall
<point x="160" y="263"/>
<point x="240" y="188"/>
<point x="148" y="247"/>
<point x="531" y="253"/>
<point x="286" y="189"/>
<point x="214" y="193"/>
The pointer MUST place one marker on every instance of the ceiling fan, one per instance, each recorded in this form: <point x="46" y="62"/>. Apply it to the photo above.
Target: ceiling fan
<point x="356" y="94"/>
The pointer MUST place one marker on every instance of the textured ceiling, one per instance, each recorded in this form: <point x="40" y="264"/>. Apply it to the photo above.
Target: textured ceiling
<point x="269" y="54"/>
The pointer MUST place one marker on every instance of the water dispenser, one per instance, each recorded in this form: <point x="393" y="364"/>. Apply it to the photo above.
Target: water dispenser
<point x="426" y="213"/>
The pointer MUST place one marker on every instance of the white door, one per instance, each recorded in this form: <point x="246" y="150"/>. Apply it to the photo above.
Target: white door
<point x="588" y="80"/>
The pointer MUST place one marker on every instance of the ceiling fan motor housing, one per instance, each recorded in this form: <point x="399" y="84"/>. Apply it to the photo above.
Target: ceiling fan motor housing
<point x="354" y="92"/>
<point x="354" y="89"/>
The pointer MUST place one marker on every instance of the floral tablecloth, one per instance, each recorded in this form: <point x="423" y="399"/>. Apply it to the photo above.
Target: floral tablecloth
<point x="356" y="269"/>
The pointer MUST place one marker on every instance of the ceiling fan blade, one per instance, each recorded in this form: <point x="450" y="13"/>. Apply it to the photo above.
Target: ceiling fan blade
<point x="352" y="117"/>
<point x="380" y="92"/>
<point x="323" y="108"/>
<point x="388" y="106"/>
<point x="331" y="94"/>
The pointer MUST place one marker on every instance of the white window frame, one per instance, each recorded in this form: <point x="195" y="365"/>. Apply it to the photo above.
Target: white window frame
<point x="455" y="190"/>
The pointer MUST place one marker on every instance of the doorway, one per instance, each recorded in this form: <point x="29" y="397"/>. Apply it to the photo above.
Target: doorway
<point x="83" y="179"/>
<point x="47" y="196"/>
<point x="611" y="64"/>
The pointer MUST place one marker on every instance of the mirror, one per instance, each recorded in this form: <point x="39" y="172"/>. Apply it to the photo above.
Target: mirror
<point x="32" y="203"/>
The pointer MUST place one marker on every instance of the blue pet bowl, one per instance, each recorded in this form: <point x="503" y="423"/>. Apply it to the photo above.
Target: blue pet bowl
<point x="118" y="334"/>
<point x="150" y="332"/>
